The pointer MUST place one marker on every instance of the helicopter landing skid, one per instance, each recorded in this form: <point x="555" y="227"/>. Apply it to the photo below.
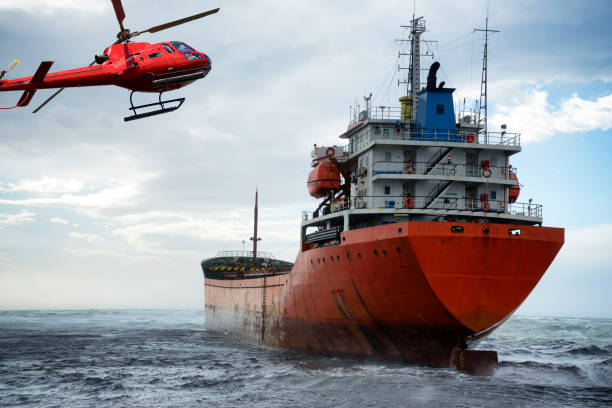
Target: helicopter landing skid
<point x="161" y="104"/>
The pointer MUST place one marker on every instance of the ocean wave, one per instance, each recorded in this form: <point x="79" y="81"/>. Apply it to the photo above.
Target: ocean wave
<point x="564" y="368"/>
<point x="590" y="350"/>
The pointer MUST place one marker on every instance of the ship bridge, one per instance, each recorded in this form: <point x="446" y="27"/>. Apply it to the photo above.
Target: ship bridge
<point x="428" y="165"/>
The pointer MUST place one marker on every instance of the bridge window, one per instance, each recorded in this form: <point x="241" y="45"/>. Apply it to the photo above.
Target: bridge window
<point x="440" y="109"/>
<point x="168" y="48"/>
<point x="387" y="190"/>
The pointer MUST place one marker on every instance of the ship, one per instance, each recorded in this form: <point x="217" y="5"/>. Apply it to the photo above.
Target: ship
<point x="419" y="246"/>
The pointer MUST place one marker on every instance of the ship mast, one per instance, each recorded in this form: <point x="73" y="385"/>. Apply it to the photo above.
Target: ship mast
<point x="413" y="84"/>
<point x="255" y="238"/>
<point x="417" y="28"/>
<point x="483" y="82"/>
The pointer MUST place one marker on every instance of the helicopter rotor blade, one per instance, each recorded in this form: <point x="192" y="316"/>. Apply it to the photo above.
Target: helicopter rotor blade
<point x="119" y="12"/>
<point x="175" y="23"/>
<point x="10" y="67"/>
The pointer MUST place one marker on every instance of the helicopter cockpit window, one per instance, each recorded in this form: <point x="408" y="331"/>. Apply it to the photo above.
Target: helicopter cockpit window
<point x="168" y="48"/>
<point x="192" y="56"/>
<point x="182" y="47"/>
<point x="155" y="55"/>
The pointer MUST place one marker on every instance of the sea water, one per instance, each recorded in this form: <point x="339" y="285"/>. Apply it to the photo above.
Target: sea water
<point x="145" y="358"/>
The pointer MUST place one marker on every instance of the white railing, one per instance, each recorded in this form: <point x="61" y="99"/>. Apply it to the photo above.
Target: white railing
<point x="244" y="254"/>
<point x="380" y="132"/>
<point x="442" y="169"/>
<point x="528" y="209"/>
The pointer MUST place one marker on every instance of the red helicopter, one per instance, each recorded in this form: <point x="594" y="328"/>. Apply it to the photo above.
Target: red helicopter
<point x="138" y="66"/>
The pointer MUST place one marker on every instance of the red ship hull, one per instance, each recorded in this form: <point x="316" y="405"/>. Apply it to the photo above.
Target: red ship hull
<point x="411" y="291"/>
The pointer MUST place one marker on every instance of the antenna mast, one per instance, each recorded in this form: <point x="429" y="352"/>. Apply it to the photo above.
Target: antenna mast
<point x="417" y="27"/>
<point x="255" y="238"/>
<point x="483" y="82"/>
<point x="413" y="82"/>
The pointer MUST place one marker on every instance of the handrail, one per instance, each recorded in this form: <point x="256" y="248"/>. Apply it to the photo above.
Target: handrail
<point x="445" y="169"/>
<point x="399" y="132"/>
<point x="464" y="203"/>
<point x="243" y="254"/>
<point x="436" y="191"/>
<point x="435" y="159"/>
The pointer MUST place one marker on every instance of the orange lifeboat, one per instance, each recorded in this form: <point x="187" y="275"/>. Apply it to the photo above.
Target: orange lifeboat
<point x="323" y="178"/>
<point x="515" y="190"/>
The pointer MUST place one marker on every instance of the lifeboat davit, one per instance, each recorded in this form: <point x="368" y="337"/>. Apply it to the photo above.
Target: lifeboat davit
<point x="515" y="190"/>
<point x="324" y="178"/>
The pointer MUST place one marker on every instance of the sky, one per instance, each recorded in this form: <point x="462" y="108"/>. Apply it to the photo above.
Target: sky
<point x="99" y="213"/>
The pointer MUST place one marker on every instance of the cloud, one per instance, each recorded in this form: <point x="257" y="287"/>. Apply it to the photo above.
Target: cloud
<point x="122" y="194"/>
<point x="176" y="187"/>
<point x="539" y="120"/>
<point x="91" y="238"/>
<point x="58" y="220"/>
<point x="586" y="248"/>
<point x="17" y="219"/>
<point x="43" y="185"/>
<point x="152" y="232"/>
<point x="52" y="6"/>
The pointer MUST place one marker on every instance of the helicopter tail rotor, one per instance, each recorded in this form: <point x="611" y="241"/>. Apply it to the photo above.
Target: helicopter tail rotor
<point x="10" y="67"/>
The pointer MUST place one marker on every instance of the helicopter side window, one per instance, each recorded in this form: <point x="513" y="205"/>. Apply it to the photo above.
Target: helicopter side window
<point x="168" y="48"/>
<point x="155" y="55"/>
<point x="192" y="56"/>
<point x="182" y="47"/>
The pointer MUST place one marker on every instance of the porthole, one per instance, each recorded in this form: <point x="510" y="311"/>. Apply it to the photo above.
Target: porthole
<point x="348" y="256"/>
<point x="359" y="254"/>
<point x="399" y="230"/>
<point x="338" y="257"/>
<point x="384" y="252"/>
<point x="398" y="249"/>
<point x="376" y="252"/>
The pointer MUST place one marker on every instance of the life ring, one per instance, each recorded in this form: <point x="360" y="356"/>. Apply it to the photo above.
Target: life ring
<point x="330" y="151"/>
<point x="409" y="202"/>
<point x="486" y="172"/>
<point x="485" y="206"/>
<point x="410" y="168"/>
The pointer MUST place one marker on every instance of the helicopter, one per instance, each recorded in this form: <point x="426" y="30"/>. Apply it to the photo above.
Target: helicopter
<point x="137" y="66"/>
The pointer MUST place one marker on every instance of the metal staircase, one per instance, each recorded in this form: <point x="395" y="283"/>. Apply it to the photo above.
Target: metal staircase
<point x="436" y="192"/>
<point x="437" y="159"/>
